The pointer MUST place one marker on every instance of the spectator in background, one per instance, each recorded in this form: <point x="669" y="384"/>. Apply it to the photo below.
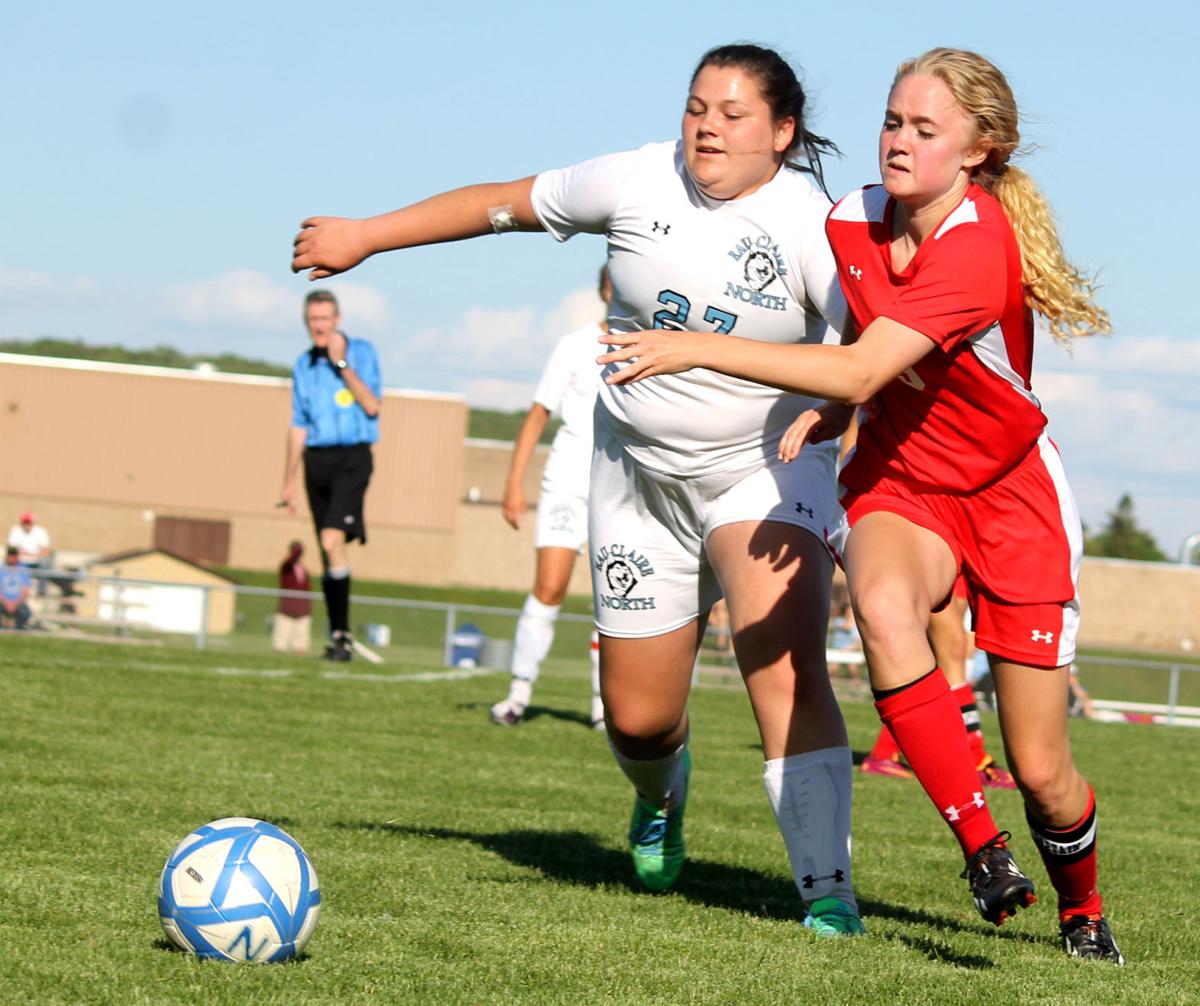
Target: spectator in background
<point x="293" y="618"/>
<point x="15" y="584"/>
<point x="32" y="543"/>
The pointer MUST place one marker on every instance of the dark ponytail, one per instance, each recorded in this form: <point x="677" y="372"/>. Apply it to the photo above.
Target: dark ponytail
<point x="783" y="93"/>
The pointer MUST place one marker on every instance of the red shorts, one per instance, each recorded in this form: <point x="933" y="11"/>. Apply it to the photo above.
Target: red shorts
<point x="1017" y="544"/>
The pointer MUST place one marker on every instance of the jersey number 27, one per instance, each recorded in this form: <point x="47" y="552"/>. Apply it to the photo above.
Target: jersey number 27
<point x="676" y="308"/>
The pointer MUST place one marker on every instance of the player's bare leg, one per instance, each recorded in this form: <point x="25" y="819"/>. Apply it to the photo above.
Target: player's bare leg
<point x="645" y="685"/>
<point x="1059" y="804"/>
<point x="897" y="572"/>
<point x="776" y="580"/>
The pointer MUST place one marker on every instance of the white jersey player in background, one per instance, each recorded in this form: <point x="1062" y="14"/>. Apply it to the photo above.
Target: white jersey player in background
<point x="720" y="231"/>
<point x="567" y="387"/>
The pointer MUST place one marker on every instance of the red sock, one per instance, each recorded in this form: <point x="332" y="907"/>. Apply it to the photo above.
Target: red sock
<point x="886" y="747"/>
<point x="1071" y="860"/>
<point x="925" y="720"/>
<point x="964" y="695"/>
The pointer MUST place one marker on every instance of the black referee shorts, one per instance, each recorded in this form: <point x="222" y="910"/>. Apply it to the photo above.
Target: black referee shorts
<point x="336" y="479"/>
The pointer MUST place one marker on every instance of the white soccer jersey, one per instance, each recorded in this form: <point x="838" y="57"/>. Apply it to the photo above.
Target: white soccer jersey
<point x="568" y="388"/>
<point x="758" y="267"/>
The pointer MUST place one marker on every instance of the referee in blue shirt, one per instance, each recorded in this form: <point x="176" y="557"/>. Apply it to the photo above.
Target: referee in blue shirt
<point x="336" y="395"/>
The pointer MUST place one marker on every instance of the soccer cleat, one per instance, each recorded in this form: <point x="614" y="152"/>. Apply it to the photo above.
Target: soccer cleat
<point x="598" y="724"/>
<point x="1090" y="938"/>
<point x="884" y="766"/>
<point x="506" y="713"/>
<point x="831" y="917"/>
<point x="991" y="774"/>
<point x="997" y="883"/>
<point x="656" y="839"/>
<point x="339" y="648"/>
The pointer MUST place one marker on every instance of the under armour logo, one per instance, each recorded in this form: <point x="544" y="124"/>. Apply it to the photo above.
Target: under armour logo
<point x="954" y="813"/>
<point x="808" y="879"/>
<point x="1041" y="637"/>
<point x="855" y="271"/>
<point x="807" y="510"/>
<point x="665" y="228"/>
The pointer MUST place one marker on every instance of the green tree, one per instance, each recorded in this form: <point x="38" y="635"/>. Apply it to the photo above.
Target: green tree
<point x="1121" y="538"/>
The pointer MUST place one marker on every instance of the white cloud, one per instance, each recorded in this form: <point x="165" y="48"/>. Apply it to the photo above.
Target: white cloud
<point x="508" y="343"/>
<point x="246" y="298"/>
<point x="1126" y="354"/>
<point x="1127" y="422"/>
<point x="238" y="298"/>
<point x="497" y="393"/>
<point x="28" y="285"/>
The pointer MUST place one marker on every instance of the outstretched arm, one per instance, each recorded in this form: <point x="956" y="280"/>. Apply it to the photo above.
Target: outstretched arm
<point x="851" y="374"/>
<point x="329" y="245"/>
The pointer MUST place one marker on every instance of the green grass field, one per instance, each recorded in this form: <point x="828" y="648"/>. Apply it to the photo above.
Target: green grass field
<point x="465" y="863"/>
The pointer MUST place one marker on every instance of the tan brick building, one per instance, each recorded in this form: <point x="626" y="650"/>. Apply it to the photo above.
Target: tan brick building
<point x="114" y="457"/>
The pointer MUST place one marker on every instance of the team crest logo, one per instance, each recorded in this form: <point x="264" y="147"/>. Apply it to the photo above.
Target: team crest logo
<point x="344" y="398"/>
<point x="760" y="271"/>
<point x="562" y="517"/>
<point x="762" y="263"/>
<point x="621" y="570"/>
<point x="620" y="577"/>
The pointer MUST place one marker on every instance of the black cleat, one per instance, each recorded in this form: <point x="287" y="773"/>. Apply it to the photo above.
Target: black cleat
<point x="1090" y="939"/>
<point x="997" y="883"/>
<point x="339" y="648"/>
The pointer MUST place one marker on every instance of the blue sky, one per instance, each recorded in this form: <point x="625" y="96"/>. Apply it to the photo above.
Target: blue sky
<point x="159" y="158"/>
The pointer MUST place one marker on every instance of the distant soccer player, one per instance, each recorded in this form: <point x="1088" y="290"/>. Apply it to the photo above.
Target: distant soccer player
<point x="943" y="266"/>
<point x="336" y="392"/>
<point x="568" y="386"/>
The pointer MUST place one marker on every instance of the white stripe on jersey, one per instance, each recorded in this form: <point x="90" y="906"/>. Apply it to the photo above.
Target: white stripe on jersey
<point x="963" y="213"/>
<point x="991" y="350"/>
<point x="862" y="205"/>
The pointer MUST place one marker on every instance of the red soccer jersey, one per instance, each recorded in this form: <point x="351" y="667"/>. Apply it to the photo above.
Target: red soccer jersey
<point x="964" y="414"/>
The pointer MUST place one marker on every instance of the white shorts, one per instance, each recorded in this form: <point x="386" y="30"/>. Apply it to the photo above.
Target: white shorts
<point x="562" y="520"/>
<point x="648" y="531"/>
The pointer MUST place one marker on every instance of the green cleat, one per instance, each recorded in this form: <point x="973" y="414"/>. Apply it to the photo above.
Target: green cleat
<point x="656" y="839"/>
<point x="831" y="917"/>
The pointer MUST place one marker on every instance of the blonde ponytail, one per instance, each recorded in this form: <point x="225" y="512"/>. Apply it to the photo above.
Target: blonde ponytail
<point x="1054" y="288"/>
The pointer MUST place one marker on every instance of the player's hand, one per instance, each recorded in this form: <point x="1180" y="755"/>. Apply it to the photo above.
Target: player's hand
<point x="326" y="246"/>
<point x="653" y="352"/>
<point x="815" y="426"/>
<point x="336" y="346"/>
<point x="287" y="496"/>
<point x="514" y="507"/>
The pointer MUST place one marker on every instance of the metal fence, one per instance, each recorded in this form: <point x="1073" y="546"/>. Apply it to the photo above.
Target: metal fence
<point x="121" y="608"/>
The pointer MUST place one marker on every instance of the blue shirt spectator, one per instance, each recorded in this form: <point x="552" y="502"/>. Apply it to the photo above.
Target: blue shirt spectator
<point x="15" y="584"/>
<point x="325" y="407"/>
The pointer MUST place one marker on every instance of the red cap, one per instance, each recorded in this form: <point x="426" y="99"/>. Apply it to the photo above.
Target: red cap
<point x="27" y="517"/>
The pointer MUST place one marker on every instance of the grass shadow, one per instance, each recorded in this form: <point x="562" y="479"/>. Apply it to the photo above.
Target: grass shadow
<point x="573" y="857"/>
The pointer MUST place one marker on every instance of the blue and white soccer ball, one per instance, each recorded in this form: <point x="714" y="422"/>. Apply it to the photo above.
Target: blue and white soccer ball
<point x="238" y="889"/>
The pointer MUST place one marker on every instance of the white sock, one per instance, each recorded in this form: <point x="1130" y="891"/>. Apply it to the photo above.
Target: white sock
<point x="597" y="702"/>
<point x="659" y="781"/>
<point x="520" y="692"/>
<point x="535" y="633"/>
<point x="810" y="796"/>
